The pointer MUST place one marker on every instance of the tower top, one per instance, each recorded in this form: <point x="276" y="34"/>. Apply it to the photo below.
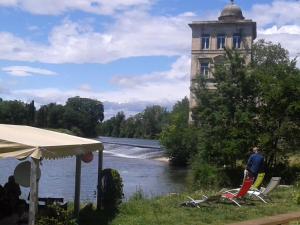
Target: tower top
<point x="231" y="12"/>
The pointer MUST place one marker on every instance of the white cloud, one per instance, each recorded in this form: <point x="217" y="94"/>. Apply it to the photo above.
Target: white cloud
<point x="131" y="108"/>
<point x="134" y="33"/>
<point x="55" y="7"/>
<point x="288" y="36"/>
<point x="170" y="85"/>
<point x="278" y="12"/>
<point x="164" y="88"/>
<point x="279" y="22"/>
<point x="179" y="73"/>
<point x="288" y="29"/>
<point x="85" y="87"/>
<point x="8" y="2"/>
<point x="25" y="71"/>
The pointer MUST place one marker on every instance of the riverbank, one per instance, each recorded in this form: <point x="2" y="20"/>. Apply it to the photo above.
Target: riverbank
<point x="167" y="210"/>
<point x="162" y="159"/>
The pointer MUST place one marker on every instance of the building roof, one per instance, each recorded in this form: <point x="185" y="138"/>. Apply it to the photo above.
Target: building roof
<point x="232" y="12"/>
<point x="24" y="141"/>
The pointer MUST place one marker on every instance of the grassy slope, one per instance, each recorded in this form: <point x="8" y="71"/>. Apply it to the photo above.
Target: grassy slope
<point x="166" y="210"/>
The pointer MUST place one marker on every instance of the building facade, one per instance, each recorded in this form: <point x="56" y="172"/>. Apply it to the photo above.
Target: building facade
<point x="209" y="38"/>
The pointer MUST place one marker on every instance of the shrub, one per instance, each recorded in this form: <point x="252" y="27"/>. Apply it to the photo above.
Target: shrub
<point x="287" y="173"/>
<point x="203" y="176"/>
<point x="180" y="144"/>
<point x="55" y="215"/>
<point x="138" y="195"/>
<point x="112" y="189"/>
<point x="297" y="198"/>
<point x="231" y="177"/>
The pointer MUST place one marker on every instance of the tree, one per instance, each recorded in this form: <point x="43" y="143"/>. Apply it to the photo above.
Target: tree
<point x="31" y="113"/>
<point x="154" y="119"/>
<point x="179" y="140"/>
<point x="279" y="101"/>
<point x="83" y="113"/>
<point x="252" y="105"/>
<point x="268" y="54"/>
<point x="225" y="116"/>
<point x="13" y="112"/>
<point x="117" y="122"/>
<point x="55" y="115"/>
<point x="42" y="116"/>
<point x="147" y="124"/>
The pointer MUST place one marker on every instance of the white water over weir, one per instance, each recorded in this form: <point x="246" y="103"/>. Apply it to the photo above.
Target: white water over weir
<point x="132" y="148"/>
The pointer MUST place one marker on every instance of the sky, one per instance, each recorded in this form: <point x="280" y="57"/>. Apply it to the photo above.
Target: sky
<point x="126" y="53"/>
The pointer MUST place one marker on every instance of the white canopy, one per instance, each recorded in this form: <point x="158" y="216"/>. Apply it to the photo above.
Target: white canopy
<point x="24" y="141"/>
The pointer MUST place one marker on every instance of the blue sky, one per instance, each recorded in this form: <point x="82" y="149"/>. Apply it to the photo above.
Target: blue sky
<point x="125" y="53"/>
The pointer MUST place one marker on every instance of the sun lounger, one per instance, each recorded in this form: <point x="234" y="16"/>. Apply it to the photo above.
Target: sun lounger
<point x="262" y="194"/>
<point x="233" y="195"/>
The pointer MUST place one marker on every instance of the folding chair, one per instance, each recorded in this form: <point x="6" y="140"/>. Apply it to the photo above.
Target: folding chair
<point x="262" y="194"/>
<point x="234" y="196"/>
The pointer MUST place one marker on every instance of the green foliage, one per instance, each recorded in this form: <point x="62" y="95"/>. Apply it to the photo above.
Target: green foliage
<point x="80" y="115"/>
<point x="147" y="124"/>
<point x="252" y="105"/>
<point x="180" y="144"/>
<point x="55" y="215"/>
<point x="268" y="54"/>
<point x="84" y="114"/>
<point x="89" y="215"/>
<point x="298" y="198"/>
<point x="278" y="122"/>
<point x="225" y="116"/>
<point x="285" y="171"/>
<point x="112" y="189"/>
<point x="138" y="195"/>
<point x="204" y="176"/>
<point x="179" y="139"/>
<point x="16" y="112"/>
<point x="257" y="104"/>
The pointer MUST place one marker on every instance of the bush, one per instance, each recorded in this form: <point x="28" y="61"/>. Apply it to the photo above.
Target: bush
<point x="55" y="215"/>
<point x="231" y="177"/>
<point x="138" y="195"/>
<point x="180" y="144"/>
<point x="297" y="198"/>
<point x="112" y="189"/>
<point x="203" y="176"/>
<point x="287" y="173"/>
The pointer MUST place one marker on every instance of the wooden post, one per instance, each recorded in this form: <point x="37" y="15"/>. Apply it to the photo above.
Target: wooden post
<point x="33" y="205"/>
<point x="77" y="186"/>
<point x="99" y="189"/>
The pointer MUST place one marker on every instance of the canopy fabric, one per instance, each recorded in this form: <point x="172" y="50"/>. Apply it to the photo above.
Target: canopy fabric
<point x="23" y="141"/>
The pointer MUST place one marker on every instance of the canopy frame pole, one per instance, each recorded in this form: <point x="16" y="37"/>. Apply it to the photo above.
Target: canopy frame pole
<point x="33" y="205"/>
<point x="77" y="186"/>
<point x="99" y="189"/>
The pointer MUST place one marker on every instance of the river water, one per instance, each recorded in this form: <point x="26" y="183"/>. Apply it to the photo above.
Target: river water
<point x="137" y="166"/>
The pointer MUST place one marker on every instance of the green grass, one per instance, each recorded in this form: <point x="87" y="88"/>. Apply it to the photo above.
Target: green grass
<point x="167" y="210"/>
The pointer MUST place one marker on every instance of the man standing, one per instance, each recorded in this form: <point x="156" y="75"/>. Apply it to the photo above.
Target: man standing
<point x="255" y="163"/>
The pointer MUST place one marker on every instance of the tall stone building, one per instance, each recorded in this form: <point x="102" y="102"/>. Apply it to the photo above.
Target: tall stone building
<point x="209" y="38"/>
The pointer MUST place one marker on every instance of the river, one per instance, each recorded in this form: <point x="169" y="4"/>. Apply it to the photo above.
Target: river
<point x="138" y="167"/>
